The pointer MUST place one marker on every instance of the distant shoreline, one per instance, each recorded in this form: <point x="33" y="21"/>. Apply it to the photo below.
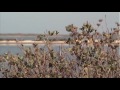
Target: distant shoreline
<point x="30" y="42"/>
<point x="21" y="34"/>
<point x="38" y="42"/>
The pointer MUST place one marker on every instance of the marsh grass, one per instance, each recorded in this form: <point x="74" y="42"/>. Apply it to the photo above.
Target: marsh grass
<point x="92" y="59"/>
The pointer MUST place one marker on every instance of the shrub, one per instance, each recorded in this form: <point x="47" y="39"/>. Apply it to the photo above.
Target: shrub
<point x="92" y="59"/>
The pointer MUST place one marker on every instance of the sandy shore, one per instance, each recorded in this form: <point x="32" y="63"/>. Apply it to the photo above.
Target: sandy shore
<point x="39" y="42"/>
<point x="30" y="42"/>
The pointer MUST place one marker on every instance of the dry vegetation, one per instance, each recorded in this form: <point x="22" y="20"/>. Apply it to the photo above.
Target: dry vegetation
<point x="93" y="60"/>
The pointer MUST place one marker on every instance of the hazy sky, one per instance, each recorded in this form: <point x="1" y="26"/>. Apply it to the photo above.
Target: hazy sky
<point x="38" y="22"/>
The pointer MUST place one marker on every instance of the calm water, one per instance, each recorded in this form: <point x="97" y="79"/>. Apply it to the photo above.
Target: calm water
<point x="14" y="48"/>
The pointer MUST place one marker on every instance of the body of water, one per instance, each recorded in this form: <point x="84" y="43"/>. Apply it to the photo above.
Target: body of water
<point x="15" y="49"/>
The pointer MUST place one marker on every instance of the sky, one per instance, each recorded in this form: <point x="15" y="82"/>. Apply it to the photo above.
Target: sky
<point x="39" y="22"/>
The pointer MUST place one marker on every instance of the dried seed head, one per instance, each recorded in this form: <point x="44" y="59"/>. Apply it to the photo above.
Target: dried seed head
<point x="96" y="41"/>
<point x="98" y="24"/>
<point x="117" y="24"/>
<point x="100" y="20"/>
